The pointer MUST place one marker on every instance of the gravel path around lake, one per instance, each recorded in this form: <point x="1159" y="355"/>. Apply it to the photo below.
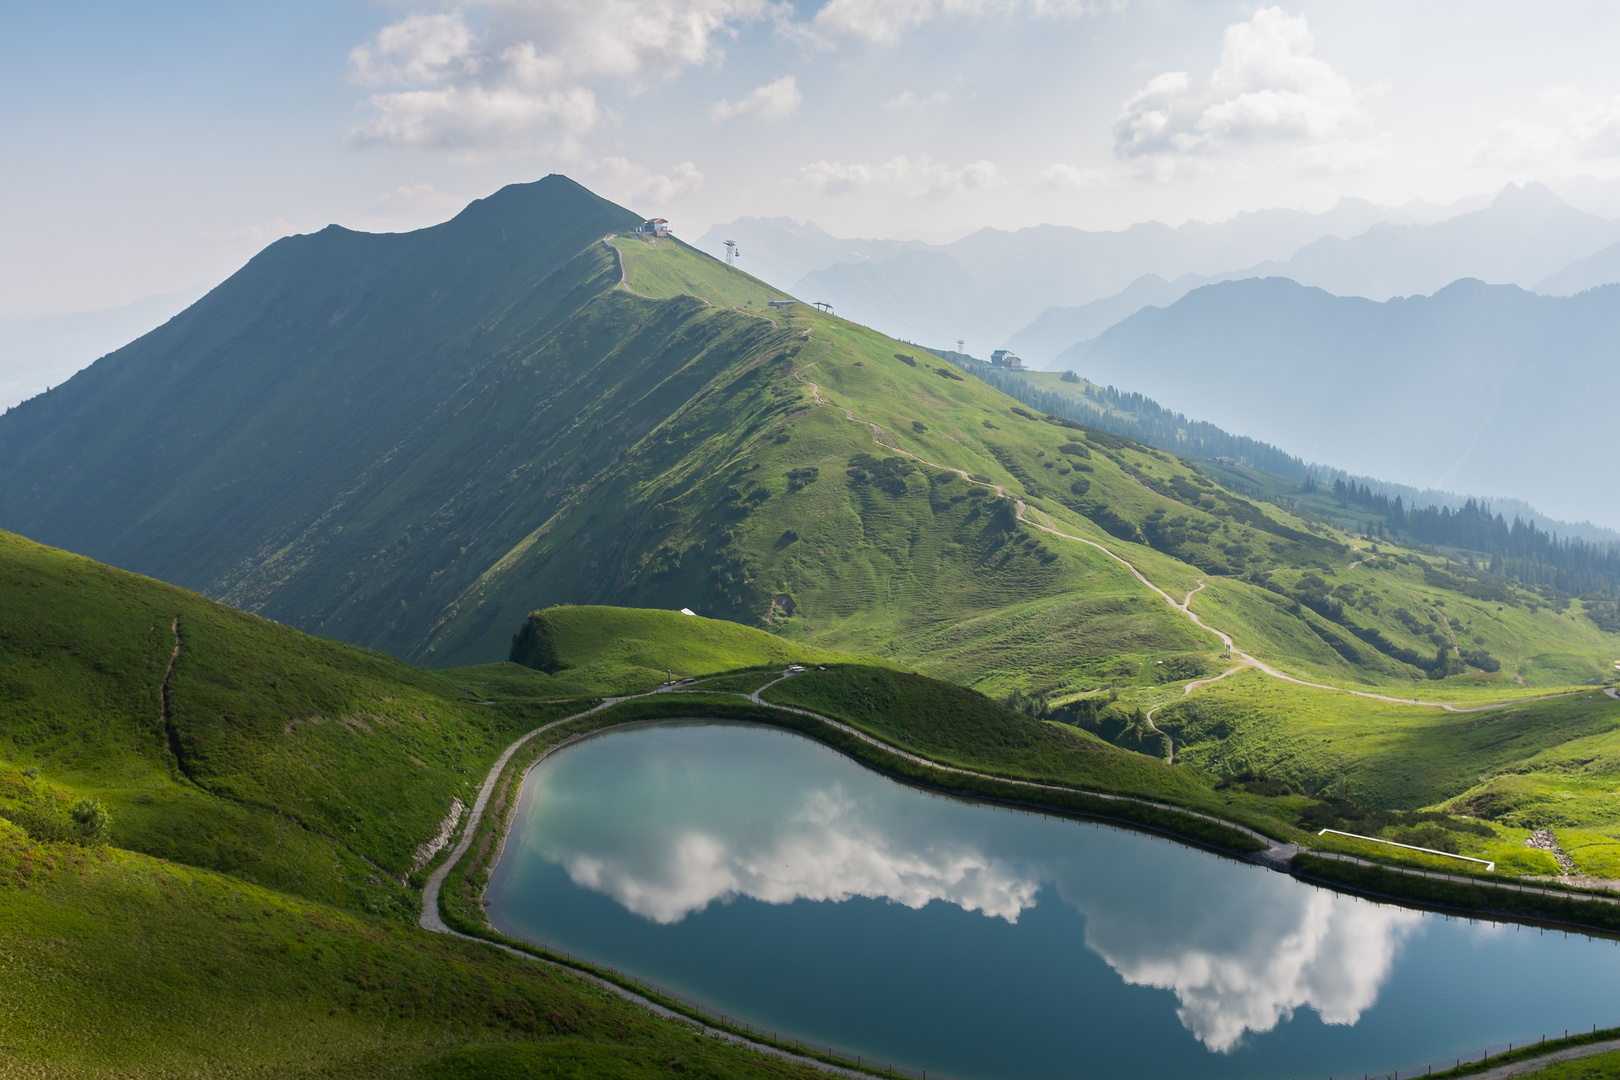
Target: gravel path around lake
<point x="433" y="920"/>
<point x="1536" y="1064"/>
<point x="1276" y="856"/>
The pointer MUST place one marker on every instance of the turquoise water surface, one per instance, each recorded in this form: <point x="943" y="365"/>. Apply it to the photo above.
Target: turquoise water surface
<point x="776" y="880"/>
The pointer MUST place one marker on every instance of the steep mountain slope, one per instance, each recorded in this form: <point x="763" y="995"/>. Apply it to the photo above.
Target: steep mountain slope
<point x="1478" y="388"/>
<point x="229" y="742"/>
<point x="411" y="441"/>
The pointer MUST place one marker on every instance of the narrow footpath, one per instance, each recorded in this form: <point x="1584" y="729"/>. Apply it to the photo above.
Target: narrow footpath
<point x="1536" y="1064"/>
<point x="1038" y="520"/>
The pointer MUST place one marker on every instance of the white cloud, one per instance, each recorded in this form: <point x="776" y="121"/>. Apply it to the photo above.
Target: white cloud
<point x="922" y="178"/>
<point x="773" y="101"/>
<point x="1063" y="176"/>
<point x="1269" y="89"/>
<point x="882" y="21"/>
<point x="622" y="181"/>
<point x="1570" y="127"/>
<point x="910" y="100"/>
<point x="472" y="116"/>
<point x="416" y="49"/>
<point x="533" y="66"/>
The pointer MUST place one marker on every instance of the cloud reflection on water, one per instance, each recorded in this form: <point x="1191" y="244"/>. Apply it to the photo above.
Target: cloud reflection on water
<point x="1240" y="950"/>
<point x="827" y="850"/>
<point x="1307" y="947"/>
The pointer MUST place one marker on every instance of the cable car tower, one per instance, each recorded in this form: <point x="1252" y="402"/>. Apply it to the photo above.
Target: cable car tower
<point x="732" y="253"/>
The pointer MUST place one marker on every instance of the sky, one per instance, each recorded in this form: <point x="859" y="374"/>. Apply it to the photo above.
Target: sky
<point x="154" y="148"/>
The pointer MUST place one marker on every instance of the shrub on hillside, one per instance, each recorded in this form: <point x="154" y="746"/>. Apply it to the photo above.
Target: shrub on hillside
<point x="92" y="821"/>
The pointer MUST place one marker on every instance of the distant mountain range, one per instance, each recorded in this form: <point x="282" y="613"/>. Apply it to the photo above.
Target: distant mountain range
<point x="1523" y="237"/>
<point x="1479" y="387"/>
<point x="1041" y="290"/>
<point x="987" y="285"/>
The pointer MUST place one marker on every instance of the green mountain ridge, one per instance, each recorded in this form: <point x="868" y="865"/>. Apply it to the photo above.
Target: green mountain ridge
<point x="411" y="441"/>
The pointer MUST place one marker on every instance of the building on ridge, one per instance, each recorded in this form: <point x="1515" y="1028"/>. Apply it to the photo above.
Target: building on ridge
<point x="654" y="227"/>
<point x="1005" y="361"/>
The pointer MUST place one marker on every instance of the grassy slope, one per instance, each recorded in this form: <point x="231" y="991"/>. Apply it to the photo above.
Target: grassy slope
<point x="282" y="965"/>
<point x="246" y="921"/>
<point x="1539" y="764"/>
<point x="609" y="650"/>
<point x="959" y="727"/>
<point x="1535" y="642"/>
<point x="894" y="558"/>
<point x="667" y="268"/>
<point x="770" y="500"/>
<point x="117" y="964"/>
<point x="1596" y="1067"/>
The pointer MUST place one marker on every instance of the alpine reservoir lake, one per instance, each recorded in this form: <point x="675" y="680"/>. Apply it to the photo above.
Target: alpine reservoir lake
<point x="775" y="880"/>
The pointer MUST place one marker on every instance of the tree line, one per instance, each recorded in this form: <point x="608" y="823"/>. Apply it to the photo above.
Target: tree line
<point x="1517" y="549"/>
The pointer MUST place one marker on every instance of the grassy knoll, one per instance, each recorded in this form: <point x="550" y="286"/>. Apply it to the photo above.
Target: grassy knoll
<point x="609" y="650"/>
<point x="958" y="726"/>
<point x="118" y="964"/>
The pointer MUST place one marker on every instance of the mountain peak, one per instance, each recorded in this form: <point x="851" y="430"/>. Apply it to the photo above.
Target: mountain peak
<point x="1532" y="196"/>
